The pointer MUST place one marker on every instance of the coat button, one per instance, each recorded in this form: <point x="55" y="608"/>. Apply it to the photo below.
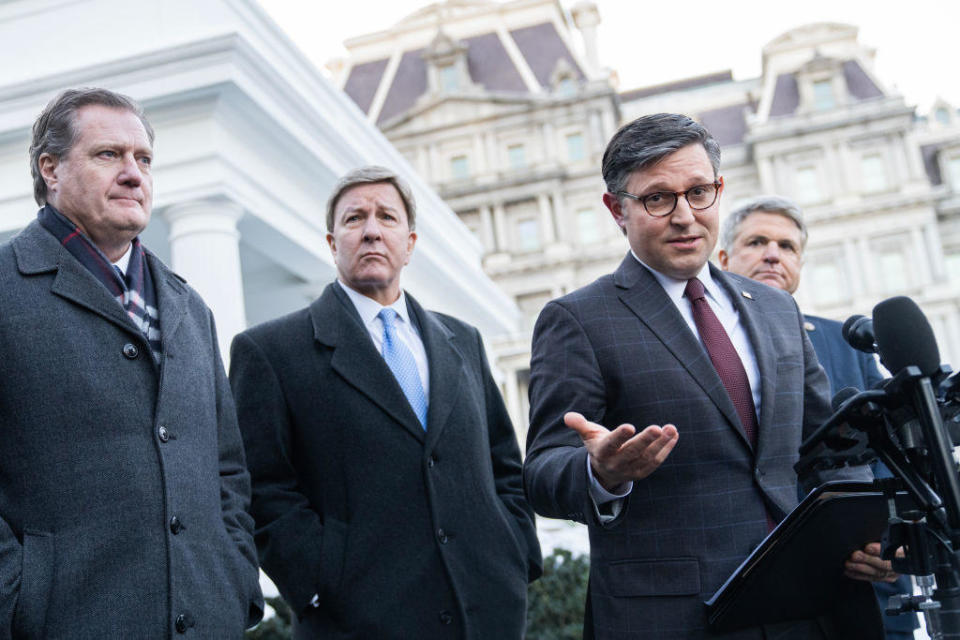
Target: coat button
<point x="431" y="461"/>
<point x="163" y="434"/>
<point x="175" y="525"/>
<point x="131" y="351"/>
<point x="446" y="617"/>
<point x="181" y="623"/>
<point x="442" y="536"/>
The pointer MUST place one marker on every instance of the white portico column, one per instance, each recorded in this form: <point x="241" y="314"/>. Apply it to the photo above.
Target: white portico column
<point x="205" y="249"/>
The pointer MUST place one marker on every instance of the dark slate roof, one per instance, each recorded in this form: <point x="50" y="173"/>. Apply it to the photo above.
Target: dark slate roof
<point x="786" y="96"/>
<point x="727" y="125"/>
<point x="490" y="65"/>
<point x="409" y="83"/>
<point x="929" y="153"/>
<point x="678" y="85"/>
<point x="859" y="83"/>
<point x="542" y="47"/>
<point x="363" y="82"/>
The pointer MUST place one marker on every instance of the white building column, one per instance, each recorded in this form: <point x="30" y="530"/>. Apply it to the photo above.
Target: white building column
<point x="548" y="228"/>
<point x="500" y="227"/>
<point x="205" y="249"/>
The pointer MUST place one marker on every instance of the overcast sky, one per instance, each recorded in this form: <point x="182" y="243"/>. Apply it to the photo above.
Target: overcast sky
<point x="653" y="42"/>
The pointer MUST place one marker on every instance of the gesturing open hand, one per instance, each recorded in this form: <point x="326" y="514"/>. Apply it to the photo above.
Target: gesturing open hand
<point x="622" y="454"/>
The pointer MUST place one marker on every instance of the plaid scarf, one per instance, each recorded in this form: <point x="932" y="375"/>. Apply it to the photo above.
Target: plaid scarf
<point x="135" y="292"/>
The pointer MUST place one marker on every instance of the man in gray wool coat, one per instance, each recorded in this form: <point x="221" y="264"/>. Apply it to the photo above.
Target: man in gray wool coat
<point x="123" y="485"/>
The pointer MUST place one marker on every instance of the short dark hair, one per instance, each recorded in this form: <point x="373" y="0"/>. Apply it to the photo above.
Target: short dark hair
<point x="648" y="140"/>
<point x="372" y="174"/>
<point x="54" y="133"/>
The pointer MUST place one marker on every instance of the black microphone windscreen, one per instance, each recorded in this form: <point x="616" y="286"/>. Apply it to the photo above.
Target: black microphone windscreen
<point x="842" y="396"/>
<point x="904" y="336"/>
<point x="847" y="324"/>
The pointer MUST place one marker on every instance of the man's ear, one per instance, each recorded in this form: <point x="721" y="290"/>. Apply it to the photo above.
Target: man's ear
<point x="48" y="169"/>
<point x="332" y="244"/>
<point x="724" y="259"/>
<point x="612" y="203"/>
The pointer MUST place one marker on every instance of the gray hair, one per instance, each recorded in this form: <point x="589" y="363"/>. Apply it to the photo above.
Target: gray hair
<point x="372" y="174"/>
<point x="54" y="132"/>
<point x="648" y="140"/>
<point x="768" y="204"/>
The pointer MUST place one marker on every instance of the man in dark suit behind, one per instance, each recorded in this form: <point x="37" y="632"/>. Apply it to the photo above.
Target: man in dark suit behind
<point x="123" y="488"/>
<point x="764" y="239"/>
<point x="386" y="473"/>
<point x="716" y="365"/>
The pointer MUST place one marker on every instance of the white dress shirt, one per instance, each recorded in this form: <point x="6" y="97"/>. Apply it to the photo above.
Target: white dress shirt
<point x="369" y="309"/>
<point x="721" y="304"/>
<point x="124" y="260"/>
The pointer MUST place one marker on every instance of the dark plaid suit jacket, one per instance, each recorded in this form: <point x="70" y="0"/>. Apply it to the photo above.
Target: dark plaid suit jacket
<point x="618" y="351"/>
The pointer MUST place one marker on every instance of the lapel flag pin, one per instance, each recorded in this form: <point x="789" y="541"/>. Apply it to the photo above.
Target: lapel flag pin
<point x="746" y="294"/>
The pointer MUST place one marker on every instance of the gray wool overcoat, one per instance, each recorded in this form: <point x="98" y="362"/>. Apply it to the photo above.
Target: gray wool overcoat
<point x="123" y="487"/>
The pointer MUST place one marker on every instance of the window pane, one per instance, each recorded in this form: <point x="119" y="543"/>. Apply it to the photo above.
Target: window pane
<point x="823" y="95"/>
<point x="449" y="78"/>
<point x="952" y="263"/>
<point x="874" y="173"/>
<point x="587" y="229"/>
<point x="942" y="115"/>
<point x="459" y="167"/>
<point x="826" y="283"/>
<point x="575" y="149"/>
<point x="807" y="185"/>
<point x="893" y="276"/>
<point x="953" y="169"/>
<point x="528" y="234"/>
<point x="516" y="156"/>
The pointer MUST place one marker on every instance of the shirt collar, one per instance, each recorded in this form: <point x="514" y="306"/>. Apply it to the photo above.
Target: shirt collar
<point x="124" y="260"/>
<point x="675" y="288"/>
<point x="368" y="308"/>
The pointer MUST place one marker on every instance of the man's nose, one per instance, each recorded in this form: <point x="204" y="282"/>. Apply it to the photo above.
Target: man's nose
<point x="371" y="228"/>
<point x="771" y="252"/>
<point x="130" y="174"/>
<point x="682" y="214"/>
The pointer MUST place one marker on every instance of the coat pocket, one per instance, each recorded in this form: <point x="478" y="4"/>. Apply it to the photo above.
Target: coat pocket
<point x="653" y="577"/>
<point x="332" y="549"/>
<point x="36" y="582"/>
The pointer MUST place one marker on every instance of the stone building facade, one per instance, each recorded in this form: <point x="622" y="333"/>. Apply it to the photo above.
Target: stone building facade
<point x="504" y="109"/>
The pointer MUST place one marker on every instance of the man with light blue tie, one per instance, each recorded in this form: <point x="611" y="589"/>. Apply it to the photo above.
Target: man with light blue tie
<point x="386" y="473"/>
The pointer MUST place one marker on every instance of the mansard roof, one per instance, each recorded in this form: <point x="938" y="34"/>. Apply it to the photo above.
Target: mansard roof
<point x="489" y="64"/>
<point x="786" y="93"/>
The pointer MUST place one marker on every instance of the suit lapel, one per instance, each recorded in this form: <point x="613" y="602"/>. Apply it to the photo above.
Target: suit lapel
<point x="39" y="252"/>
<point x="644" y="296"/>
<point x="355" y="358"/>
<point x="751" y="314"/>
<point x="446" y="368"/>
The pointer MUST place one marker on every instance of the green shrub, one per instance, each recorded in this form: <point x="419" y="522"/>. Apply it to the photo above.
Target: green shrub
<point x="555" y="602"/>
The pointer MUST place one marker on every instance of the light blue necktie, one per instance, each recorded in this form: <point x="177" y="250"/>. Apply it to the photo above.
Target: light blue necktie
<point x="404" y="367"/>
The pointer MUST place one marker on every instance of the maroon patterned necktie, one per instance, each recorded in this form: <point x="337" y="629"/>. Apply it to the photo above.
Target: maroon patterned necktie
<point x="724" y="357"/>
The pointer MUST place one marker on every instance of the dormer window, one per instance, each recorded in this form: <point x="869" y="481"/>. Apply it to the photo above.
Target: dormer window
<point x="564" y="79"/>
<point x="822" y="84"/>
<point x="447" y="70"/>
<point x="449" y="78"/>
<point x="823" y="98"/>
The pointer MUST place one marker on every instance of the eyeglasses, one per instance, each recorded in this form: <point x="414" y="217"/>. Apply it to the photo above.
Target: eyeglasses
<point x="662" y="203"/>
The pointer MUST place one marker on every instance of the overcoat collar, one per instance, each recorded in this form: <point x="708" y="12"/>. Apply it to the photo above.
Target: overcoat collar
<point x="37" y="252"/>
<point x="644" y="296"/>
<point x="355" y="358"/>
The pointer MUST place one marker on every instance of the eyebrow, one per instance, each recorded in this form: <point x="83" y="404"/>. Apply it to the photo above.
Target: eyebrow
<point x="662" y="186"/>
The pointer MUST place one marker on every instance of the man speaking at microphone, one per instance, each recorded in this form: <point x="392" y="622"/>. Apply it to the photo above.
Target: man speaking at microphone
<point x="763" y="239"/>
<point x="668" y="401"/>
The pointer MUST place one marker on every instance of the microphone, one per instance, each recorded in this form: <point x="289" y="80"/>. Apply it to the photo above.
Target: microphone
<point x="908" y="348"/>
<point x="904" y="336"/>
<point x="858" y="332"/>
